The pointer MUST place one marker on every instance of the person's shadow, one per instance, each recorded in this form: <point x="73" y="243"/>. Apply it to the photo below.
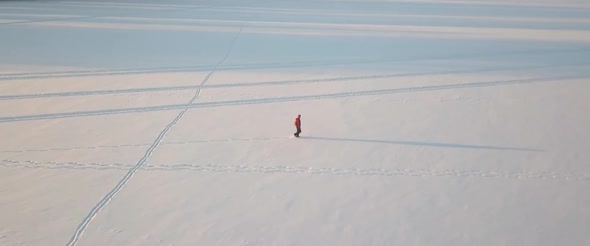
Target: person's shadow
<point x="426" y="144"/>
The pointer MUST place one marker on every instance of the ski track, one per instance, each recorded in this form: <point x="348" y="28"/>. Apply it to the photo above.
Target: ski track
<point x="107" y="198"/>
<point x="546" y="175"/>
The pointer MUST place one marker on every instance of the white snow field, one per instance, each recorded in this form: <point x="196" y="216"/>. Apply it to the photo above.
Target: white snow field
<point x="425" y="122"/>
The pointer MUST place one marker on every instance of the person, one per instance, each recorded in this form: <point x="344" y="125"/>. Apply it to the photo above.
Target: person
<point x="298" y="125"/>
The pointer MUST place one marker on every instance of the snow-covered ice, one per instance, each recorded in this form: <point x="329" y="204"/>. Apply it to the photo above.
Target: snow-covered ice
<point x="427" y="122"/>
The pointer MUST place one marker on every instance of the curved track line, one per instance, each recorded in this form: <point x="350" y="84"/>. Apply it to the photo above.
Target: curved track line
<point x="107" y="198"/>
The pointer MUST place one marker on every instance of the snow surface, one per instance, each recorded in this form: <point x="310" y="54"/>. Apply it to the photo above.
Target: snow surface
<point x="428" y="122"/>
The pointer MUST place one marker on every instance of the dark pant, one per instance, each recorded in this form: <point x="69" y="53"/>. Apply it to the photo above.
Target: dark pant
<point x="298" y="131"/>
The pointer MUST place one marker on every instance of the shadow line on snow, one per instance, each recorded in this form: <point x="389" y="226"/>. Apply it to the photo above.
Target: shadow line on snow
<point x="423" y="144"/>
<point x="282" y="99"/>
<point x="275" y="65"/>
<point x="267" y="83"/>
<point x="90" y="17"/>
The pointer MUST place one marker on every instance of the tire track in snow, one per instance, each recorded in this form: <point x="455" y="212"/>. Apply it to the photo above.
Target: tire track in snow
<point x="107" y="198"/>
<point x="404" y="172"/>
<point x="75" y="148"/>
<point x="369" y="171"/>
<point x="114" y="72"/>
<point x="266" y="83"/>
<point x="64" y="165"/>
<point x="257" y="101"/>
<point x="140" y="145"/>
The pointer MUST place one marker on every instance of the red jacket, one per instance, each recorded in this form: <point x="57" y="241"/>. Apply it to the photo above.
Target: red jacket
<point x="297" y="123"/>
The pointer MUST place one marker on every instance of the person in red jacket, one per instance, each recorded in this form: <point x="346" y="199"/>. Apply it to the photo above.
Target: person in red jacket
<point x="298" y="125"/>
